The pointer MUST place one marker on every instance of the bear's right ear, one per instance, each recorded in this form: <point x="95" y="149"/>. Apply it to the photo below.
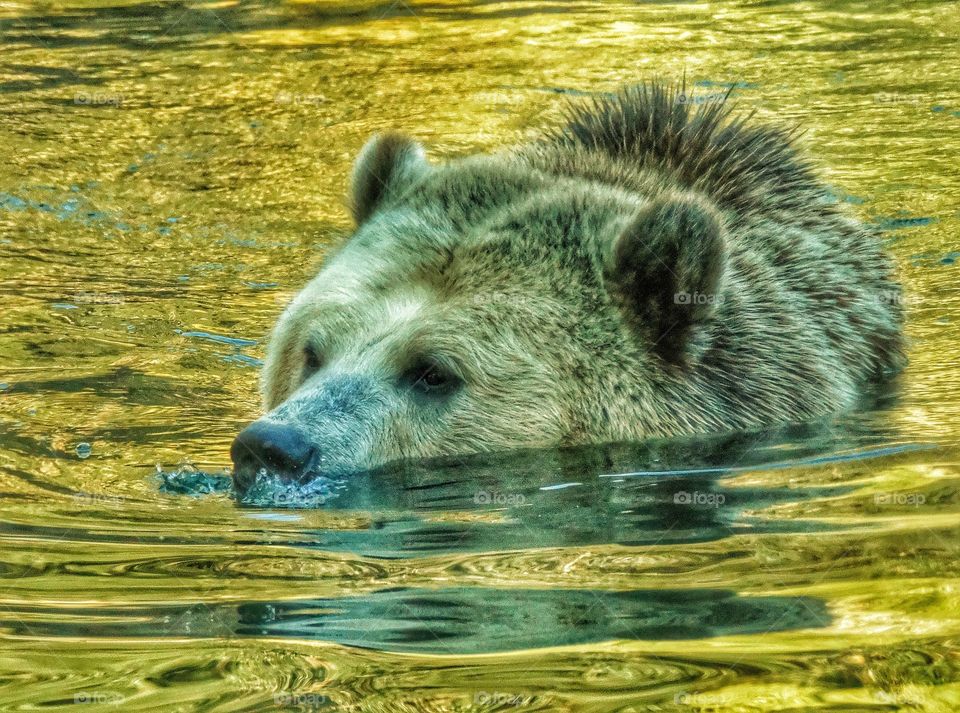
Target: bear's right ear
<point x="387" y="162"/>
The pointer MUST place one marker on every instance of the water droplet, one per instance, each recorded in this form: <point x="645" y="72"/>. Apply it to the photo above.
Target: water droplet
<point x="84" y="450"/>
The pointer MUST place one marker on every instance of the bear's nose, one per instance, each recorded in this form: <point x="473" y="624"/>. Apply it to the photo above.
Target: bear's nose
<point x="279" y="449"/>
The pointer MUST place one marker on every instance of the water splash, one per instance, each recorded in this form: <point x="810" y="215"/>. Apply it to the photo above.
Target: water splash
<point x="187" y="480"/>
<point x="269" y="490"/>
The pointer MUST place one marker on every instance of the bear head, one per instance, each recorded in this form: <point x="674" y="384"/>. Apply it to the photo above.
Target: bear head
<point x="487" y="304"/>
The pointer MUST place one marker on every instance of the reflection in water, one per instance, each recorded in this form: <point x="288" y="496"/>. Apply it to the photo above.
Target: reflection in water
<point x="467" y="621"/>
<point x="447" y="621"/>
<point x="674" y="492"/>
<point x="659" y="492"/>
<point x="174" y="171"/>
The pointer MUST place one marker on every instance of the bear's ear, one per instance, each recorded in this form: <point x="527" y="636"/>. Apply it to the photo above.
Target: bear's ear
<point x="666" y="268"/>
<point x="387" y="162"/>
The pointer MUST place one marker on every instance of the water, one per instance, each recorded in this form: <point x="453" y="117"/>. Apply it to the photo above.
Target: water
<point x="174" y="171"/>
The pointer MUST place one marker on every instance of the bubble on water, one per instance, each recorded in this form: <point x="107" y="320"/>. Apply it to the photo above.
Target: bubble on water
<point x="84" y="450"/>
<point x="269" y="490"/>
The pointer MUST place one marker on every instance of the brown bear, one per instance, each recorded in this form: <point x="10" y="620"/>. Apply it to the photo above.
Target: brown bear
<point x="655" y="267"/>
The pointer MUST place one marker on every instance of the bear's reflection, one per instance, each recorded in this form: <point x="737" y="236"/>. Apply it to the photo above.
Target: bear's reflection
<point x="479" y="620"/>
<point x="564" y="498"/>
<point x="575" y="497"/>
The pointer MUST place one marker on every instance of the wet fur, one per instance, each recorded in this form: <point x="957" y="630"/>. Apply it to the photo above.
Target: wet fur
<point x="547" y="276"/>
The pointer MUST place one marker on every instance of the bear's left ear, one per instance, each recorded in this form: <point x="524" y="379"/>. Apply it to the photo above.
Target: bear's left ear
<point x="387" y="162"/>
<point x="666" y="269"/>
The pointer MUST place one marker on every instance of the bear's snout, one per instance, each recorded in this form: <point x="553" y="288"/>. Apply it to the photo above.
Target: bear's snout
<point x="279" y="449"/>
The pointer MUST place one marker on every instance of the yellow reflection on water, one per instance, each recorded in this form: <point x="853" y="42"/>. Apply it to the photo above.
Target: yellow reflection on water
<point x="177" y="170"/>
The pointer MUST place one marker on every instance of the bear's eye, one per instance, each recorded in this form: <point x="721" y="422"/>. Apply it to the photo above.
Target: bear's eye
<point x="429" y="377"/>
<point x="312" y="359"/>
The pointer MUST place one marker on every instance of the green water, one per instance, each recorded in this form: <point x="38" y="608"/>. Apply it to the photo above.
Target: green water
<point x="173" y="172"/>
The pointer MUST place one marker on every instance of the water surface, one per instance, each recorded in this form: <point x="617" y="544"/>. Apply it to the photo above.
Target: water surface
<point x="173" y="172"/>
